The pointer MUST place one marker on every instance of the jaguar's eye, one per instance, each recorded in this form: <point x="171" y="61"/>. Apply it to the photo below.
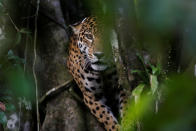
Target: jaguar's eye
<point x="89" y="36"/>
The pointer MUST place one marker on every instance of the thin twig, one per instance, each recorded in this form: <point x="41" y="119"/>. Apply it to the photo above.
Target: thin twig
<point x="17" y="29"/>
<point x="34" y="64"/>
<point x="55" y="89"/>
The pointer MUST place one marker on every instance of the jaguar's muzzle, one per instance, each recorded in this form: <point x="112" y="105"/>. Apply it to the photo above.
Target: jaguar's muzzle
<point x="98" y="64"/>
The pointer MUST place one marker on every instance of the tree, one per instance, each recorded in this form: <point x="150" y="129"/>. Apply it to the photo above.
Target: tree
<point x="151" y="43"/>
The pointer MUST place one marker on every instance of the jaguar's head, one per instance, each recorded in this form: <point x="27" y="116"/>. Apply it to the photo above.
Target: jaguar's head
<point x="89" y="43"/>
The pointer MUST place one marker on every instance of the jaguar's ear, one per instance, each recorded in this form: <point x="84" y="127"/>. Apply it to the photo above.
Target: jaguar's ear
<point x="77" y="26"/>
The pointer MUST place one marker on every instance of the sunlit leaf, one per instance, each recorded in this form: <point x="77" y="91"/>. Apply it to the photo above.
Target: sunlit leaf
<point x="153" y="83"/>
<point x="137" y="91"/>
<point x="136" y="71"/>
<point x="154" y="70"/>
<point x="134" y="111"/>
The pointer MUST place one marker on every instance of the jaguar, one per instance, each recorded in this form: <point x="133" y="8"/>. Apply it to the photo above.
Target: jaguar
<point x="86" y="64"/>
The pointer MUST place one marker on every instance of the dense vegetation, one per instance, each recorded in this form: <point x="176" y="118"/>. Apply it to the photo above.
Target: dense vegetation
<point x="157" y="66"/>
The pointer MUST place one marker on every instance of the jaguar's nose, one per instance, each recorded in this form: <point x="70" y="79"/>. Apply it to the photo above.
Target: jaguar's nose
<point x="98" y="54"/>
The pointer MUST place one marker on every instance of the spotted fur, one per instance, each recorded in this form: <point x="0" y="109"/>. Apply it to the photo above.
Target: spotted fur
<point x="85" y="56"/>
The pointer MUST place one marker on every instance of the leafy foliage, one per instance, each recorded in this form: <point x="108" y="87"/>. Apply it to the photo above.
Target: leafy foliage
<point x="167" y="106"/>
<point x="142" y="98"/>
<point x="159" y="102"/>
<point x="135" y="111"/>
<point x="17" y="84"/>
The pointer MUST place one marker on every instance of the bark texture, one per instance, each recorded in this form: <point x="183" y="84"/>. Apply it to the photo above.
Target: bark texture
<point x="63" y="112"/>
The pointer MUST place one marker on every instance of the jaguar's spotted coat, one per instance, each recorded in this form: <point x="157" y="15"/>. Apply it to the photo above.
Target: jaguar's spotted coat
<point x="84" y="64"/>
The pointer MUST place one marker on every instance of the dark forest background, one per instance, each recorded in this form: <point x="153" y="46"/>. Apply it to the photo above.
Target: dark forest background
<point x="153" y="42"/>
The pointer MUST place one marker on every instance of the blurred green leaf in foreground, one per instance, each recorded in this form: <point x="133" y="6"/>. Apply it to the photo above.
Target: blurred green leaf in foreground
<point x="177" y="111"/>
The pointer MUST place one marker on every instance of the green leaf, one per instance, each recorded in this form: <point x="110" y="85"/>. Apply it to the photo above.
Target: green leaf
<point x="10" y="107"/>
<point x="153" y="83"/>
<point x="3" y="118"/>
<point x="134" y="111"/>
<point x="136" y="71"/>
<point x="137" y="92"/>
<point x="154" y="70"/>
